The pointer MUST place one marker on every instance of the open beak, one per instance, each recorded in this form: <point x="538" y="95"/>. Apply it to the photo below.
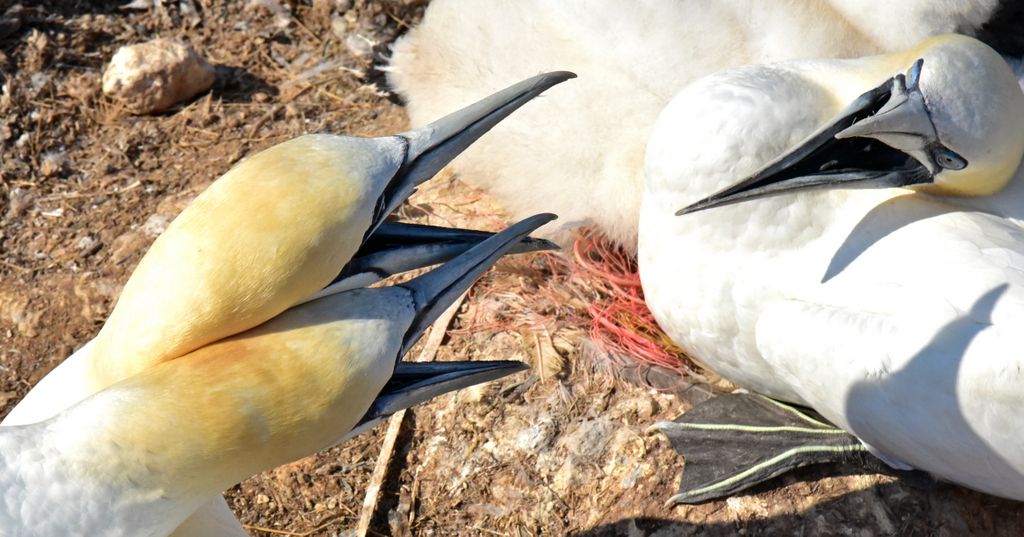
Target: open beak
<point x="397" y="247"/>
<point x="434" y="291"/>
<point x="432" y="147"/>
<point x="884" y="139"/>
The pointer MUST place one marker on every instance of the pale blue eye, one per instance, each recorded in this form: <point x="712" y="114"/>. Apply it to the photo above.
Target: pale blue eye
<point x="948" y="159"/>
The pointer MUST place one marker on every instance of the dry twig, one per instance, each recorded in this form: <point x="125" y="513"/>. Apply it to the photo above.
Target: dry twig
<point x="387" y="448"/>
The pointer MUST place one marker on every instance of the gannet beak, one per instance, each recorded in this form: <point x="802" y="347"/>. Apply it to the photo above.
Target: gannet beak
<point x="434" y="146"/>
<point x="434" y="291"/>
<point x="884" y="139"/>
<point x="398" y="247"/>
<point x="416" y="382"/>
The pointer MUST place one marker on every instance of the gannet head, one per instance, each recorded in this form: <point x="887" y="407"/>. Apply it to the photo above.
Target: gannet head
<point x="432" y="147"/>
<point x="276" y="229"/>
<point x="951" y="124"/>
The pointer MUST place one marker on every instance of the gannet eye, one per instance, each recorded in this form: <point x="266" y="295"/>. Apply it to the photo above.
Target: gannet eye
<point x="948" y="159"/>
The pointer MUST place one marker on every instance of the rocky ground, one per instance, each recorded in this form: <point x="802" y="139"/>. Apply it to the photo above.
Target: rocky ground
<point x="86" y="185"/>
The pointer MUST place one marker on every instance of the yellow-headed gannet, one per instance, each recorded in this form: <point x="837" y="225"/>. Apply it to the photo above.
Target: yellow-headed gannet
<point x="266" y="236"/>
<point x="140" y="456"/>
<point x="884" y="292"/>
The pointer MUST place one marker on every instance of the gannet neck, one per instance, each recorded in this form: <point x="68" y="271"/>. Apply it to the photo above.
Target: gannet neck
<point x="140" y="456"/>
<point x="150" y="449"/>
<point x="273" y="230"/>
<point x="278" y="392"/>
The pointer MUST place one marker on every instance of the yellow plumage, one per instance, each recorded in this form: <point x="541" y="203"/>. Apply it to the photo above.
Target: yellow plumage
<point x="270" y="232"/>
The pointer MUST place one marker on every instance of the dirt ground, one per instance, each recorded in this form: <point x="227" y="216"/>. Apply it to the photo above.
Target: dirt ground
<point x="561" y="450"/>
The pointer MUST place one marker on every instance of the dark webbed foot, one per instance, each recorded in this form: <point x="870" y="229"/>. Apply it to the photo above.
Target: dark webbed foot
<point x="735" y="441"/>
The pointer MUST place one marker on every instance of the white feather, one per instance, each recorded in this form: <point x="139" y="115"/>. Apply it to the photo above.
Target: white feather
<point x="579" y="150"/>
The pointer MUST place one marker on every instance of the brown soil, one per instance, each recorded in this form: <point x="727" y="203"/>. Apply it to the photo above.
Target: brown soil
<point x="86" y="187"/>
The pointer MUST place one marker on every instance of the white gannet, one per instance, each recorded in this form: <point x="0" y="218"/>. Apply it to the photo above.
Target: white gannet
<point x="266" y="236"/>
<point x="138" y="457"/>
<point x="634" y="56"/>
<point x="893" y="312"/>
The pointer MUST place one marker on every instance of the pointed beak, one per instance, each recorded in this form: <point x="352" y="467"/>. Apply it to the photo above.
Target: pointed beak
<point x="432" y="147"/>
<point x="434" y="291"/>
<point x="884" y="139"/>
<point x="398" y="247"/>
<point x="417" y="382"/>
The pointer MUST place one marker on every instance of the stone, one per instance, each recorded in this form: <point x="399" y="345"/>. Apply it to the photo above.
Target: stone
<point x="153" y="76"/>
<point x="52" y="163"/>
<point x="155" y="225"/>
<point x="126" y="245"/>
<point x="19" y="201"/>
<point x="589" y="439"/>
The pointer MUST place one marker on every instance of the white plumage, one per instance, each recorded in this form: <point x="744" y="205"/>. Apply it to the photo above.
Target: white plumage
<point x="893" y="313"/>
<point x="579" y="151"/>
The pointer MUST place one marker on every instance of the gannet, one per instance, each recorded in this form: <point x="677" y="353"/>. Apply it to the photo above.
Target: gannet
<point x="847" y="235"/>
<point x="266" y="236"/>
<point x="271" y="232"/>
<point x="393" y="248"/>
<point x="634" y="57"/>
<point x="141" y="455"/>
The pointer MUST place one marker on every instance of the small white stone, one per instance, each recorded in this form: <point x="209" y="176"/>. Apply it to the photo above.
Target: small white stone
<point x="52" y="163"/>
<point x="155" y="225"/>
<point x="537" y="437"/>
<point x="86" y="243"/>
<point x="153" y="76"/>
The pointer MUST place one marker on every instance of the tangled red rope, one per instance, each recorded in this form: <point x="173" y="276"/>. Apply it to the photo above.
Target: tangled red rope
<point x="621" y="323"/>
<point x="597" y="290"/>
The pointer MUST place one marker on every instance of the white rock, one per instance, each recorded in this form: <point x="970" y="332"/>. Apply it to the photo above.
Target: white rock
<point x="537" y="437"/>
<point x="155" y="225"/>
<point x="153" y="76"/>
<point x="52" y="163"/>
<point x="589" y="439"/>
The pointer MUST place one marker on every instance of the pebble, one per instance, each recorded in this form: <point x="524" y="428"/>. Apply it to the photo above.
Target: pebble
<point x="88" y="245"/>
<point x="20" y="200"/>
<point x="126" y="245"/>
<point x="153" y="76"/>
<point x="53" y="163"/>
<point x="589" y="438"/>
<point x="155" y="225"/>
